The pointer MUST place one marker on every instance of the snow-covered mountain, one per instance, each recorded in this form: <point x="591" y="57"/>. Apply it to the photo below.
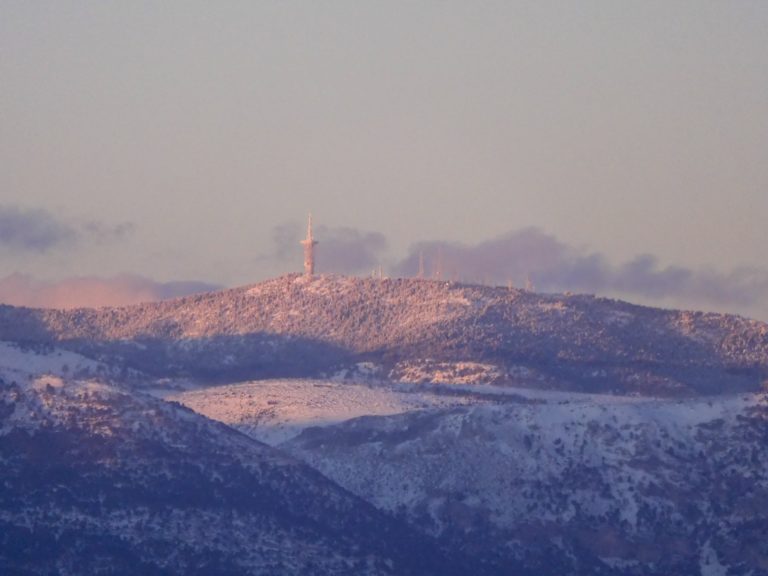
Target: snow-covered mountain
<point x="20" y="362"/>
<point x="553" y="482"/>
<point x="569" y="485"/>
<point x="100" y="480"/>
<point x="414" y="330"/>
<point x="443" y="424"/>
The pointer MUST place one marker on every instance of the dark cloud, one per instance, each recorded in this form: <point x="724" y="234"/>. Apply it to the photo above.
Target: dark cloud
<point x="22" y="290"/>
<point x="511" y="257"/>
<point x="33" y="230"/>
<point x="340" y="250"/>
<point x="349" y="251"/>
<point x="37" y="230"/>
<point x="555" y="266"/>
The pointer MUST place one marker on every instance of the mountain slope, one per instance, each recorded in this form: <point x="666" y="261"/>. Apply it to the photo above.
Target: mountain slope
<point x="100" y="481"/>
<point x="576" y="485"/>
<point x="298" y="326"/>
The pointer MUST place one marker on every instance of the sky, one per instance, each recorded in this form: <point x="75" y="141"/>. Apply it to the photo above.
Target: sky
<point x="152" y="148"/>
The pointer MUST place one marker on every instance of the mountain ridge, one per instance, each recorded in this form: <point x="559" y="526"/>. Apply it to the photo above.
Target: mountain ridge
<point x="302" y="326"/>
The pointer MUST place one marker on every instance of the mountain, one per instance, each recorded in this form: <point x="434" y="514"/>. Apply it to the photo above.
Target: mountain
<point x="448" y="429"/>
<point x="551" y="482"/>
<point x="414" y="331"/>
<point x="573" y="484"/>
<point x="101" y="480"/>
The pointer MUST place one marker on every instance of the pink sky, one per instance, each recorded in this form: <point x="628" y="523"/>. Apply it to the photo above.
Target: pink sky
<point x="171" y="140"/>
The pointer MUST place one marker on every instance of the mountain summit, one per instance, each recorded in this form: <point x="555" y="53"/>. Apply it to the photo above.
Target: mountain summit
<point x="415" y="331"/>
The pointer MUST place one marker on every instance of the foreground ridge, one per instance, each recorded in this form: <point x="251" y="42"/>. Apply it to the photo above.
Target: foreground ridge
<point x="101" y="480"/>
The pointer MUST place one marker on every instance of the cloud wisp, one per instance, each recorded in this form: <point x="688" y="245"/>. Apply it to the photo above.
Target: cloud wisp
<point x="38" y="230"/>
<point x="92" y="292"/>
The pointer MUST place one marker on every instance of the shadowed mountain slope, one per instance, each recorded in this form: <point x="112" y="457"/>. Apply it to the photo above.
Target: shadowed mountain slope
<point x="96" y="480"/>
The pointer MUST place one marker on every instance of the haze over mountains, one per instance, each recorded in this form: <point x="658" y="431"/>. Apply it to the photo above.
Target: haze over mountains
<point x="445" y="427"/>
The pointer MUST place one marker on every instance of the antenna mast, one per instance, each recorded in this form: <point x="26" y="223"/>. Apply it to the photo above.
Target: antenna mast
<point x="309" y="244"/>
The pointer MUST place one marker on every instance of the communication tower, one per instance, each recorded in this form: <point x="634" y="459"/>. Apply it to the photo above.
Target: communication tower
<point x="309" y="244"/>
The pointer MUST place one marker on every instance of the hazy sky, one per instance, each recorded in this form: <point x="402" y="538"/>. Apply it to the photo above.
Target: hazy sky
<point x="187" y="140"/>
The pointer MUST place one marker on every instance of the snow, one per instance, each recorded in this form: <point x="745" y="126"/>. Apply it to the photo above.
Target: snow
<point x="623" y="452"/>
<point x="18" y="363"/>
<point x="46" y="382"/>
<point x="494" y="445"/>
<point x="453" y="373"/>
<point x="275" y="411"/>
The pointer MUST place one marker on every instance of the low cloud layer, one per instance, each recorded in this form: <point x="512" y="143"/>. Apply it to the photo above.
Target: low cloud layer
<point x="36" y="230"/>
<point x="531" y="254"/>
<point x="553" y="266"/>
<point x="90" y="292"/>
<point x="341" y="250"/>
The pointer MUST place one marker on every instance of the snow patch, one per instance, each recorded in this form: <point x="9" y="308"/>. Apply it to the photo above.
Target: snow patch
<point x="19" y="363"/>
<point x="275" y="411"/>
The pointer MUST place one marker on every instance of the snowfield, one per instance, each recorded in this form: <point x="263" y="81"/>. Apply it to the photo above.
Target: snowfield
<point x="18" y="362"/>
<point x="643" y="486"/>
<point x="614" y="484"/>
<point x="275" y="411"/>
